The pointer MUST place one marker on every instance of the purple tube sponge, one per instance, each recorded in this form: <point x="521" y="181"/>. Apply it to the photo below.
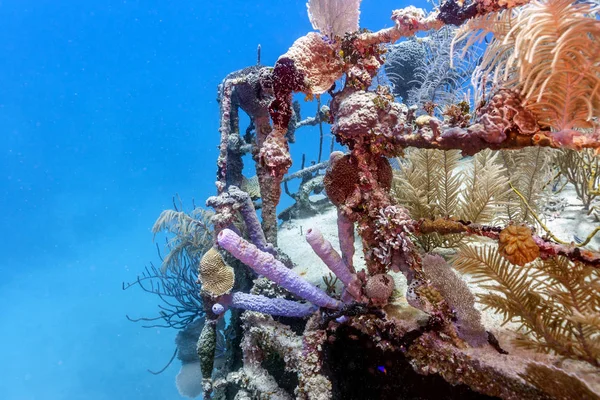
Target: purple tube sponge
<point x="346" y="238"/>
<point x="265" y="264"/>
<point x="267" y="305"/>
<point x="330" y="257"/>
<point x="253" y="227"/>
<point x="334" y="262"/>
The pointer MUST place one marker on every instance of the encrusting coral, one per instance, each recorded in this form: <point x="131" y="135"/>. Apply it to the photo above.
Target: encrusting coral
<point x="440" y="336"/>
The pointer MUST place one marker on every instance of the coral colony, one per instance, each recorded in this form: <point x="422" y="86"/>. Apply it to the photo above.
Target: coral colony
<point x="404" y="324"/>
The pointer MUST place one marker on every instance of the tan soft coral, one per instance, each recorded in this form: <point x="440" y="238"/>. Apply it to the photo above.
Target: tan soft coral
<point x="547" y="50"/>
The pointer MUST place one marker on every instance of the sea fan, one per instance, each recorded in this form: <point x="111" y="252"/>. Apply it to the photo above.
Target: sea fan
<point x="421" y="71"/>
<point x="334" y="17"/>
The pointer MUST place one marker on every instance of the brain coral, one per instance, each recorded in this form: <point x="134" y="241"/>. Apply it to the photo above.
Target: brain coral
<point x="379" y="288"/>
<point x="517" y="245"/>
<point x="216" y="276"/>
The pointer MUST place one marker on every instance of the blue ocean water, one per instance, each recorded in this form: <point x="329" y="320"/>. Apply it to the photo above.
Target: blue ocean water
<point x="108" y="109"/>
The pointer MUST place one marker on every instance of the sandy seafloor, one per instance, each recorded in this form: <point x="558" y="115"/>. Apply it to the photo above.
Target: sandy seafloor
<point x="564" y="223"/>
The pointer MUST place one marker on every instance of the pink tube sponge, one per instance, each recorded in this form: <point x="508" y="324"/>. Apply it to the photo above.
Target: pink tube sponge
<point x="329" y="255"/>
<point x="265" y="264"/>
<point x="335" y="263"/>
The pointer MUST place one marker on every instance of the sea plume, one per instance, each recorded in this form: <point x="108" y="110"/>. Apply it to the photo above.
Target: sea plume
<point x="334" y="17"/>
<point x="549" y="50"/>
<point x="557" y="55"/>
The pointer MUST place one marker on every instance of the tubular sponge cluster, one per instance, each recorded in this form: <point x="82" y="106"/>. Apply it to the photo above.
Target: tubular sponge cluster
<point x="266" y="264"/>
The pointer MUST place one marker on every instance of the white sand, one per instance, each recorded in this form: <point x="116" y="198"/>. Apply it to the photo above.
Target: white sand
<point x="291" y="239"/>
<point x="573" y="220"/>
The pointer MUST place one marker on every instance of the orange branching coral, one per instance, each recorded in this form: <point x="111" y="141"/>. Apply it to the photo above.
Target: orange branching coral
<point x="517" y="246"/>
<point x="216" y="276"/>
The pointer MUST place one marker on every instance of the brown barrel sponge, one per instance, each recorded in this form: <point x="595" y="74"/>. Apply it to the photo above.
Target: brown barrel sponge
<point x="342" y="177"/>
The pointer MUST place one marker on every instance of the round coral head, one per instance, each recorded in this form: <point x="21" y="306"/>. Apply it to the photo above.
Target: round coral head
<point x="342" y="178"/>
<point x="379" y="288"/>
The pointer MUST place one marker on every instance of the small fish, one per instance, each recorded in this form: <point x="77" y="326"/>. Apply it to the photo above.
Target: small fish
<point x="381" y="368"/>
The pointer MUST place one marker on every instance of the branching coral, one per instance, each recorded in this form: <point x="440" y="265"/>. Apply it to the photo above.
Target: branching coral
<point x="581" y="169"/>
<point x="192" y="236"/>
<point x="178" y="292"/>
<point x="175" y="281"/>
<point x="527" y="170"/>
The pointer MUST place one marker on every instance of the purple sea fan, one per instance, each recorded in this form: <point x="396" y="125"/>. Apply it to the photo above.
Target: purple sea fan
<point x="334" y="17"/>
